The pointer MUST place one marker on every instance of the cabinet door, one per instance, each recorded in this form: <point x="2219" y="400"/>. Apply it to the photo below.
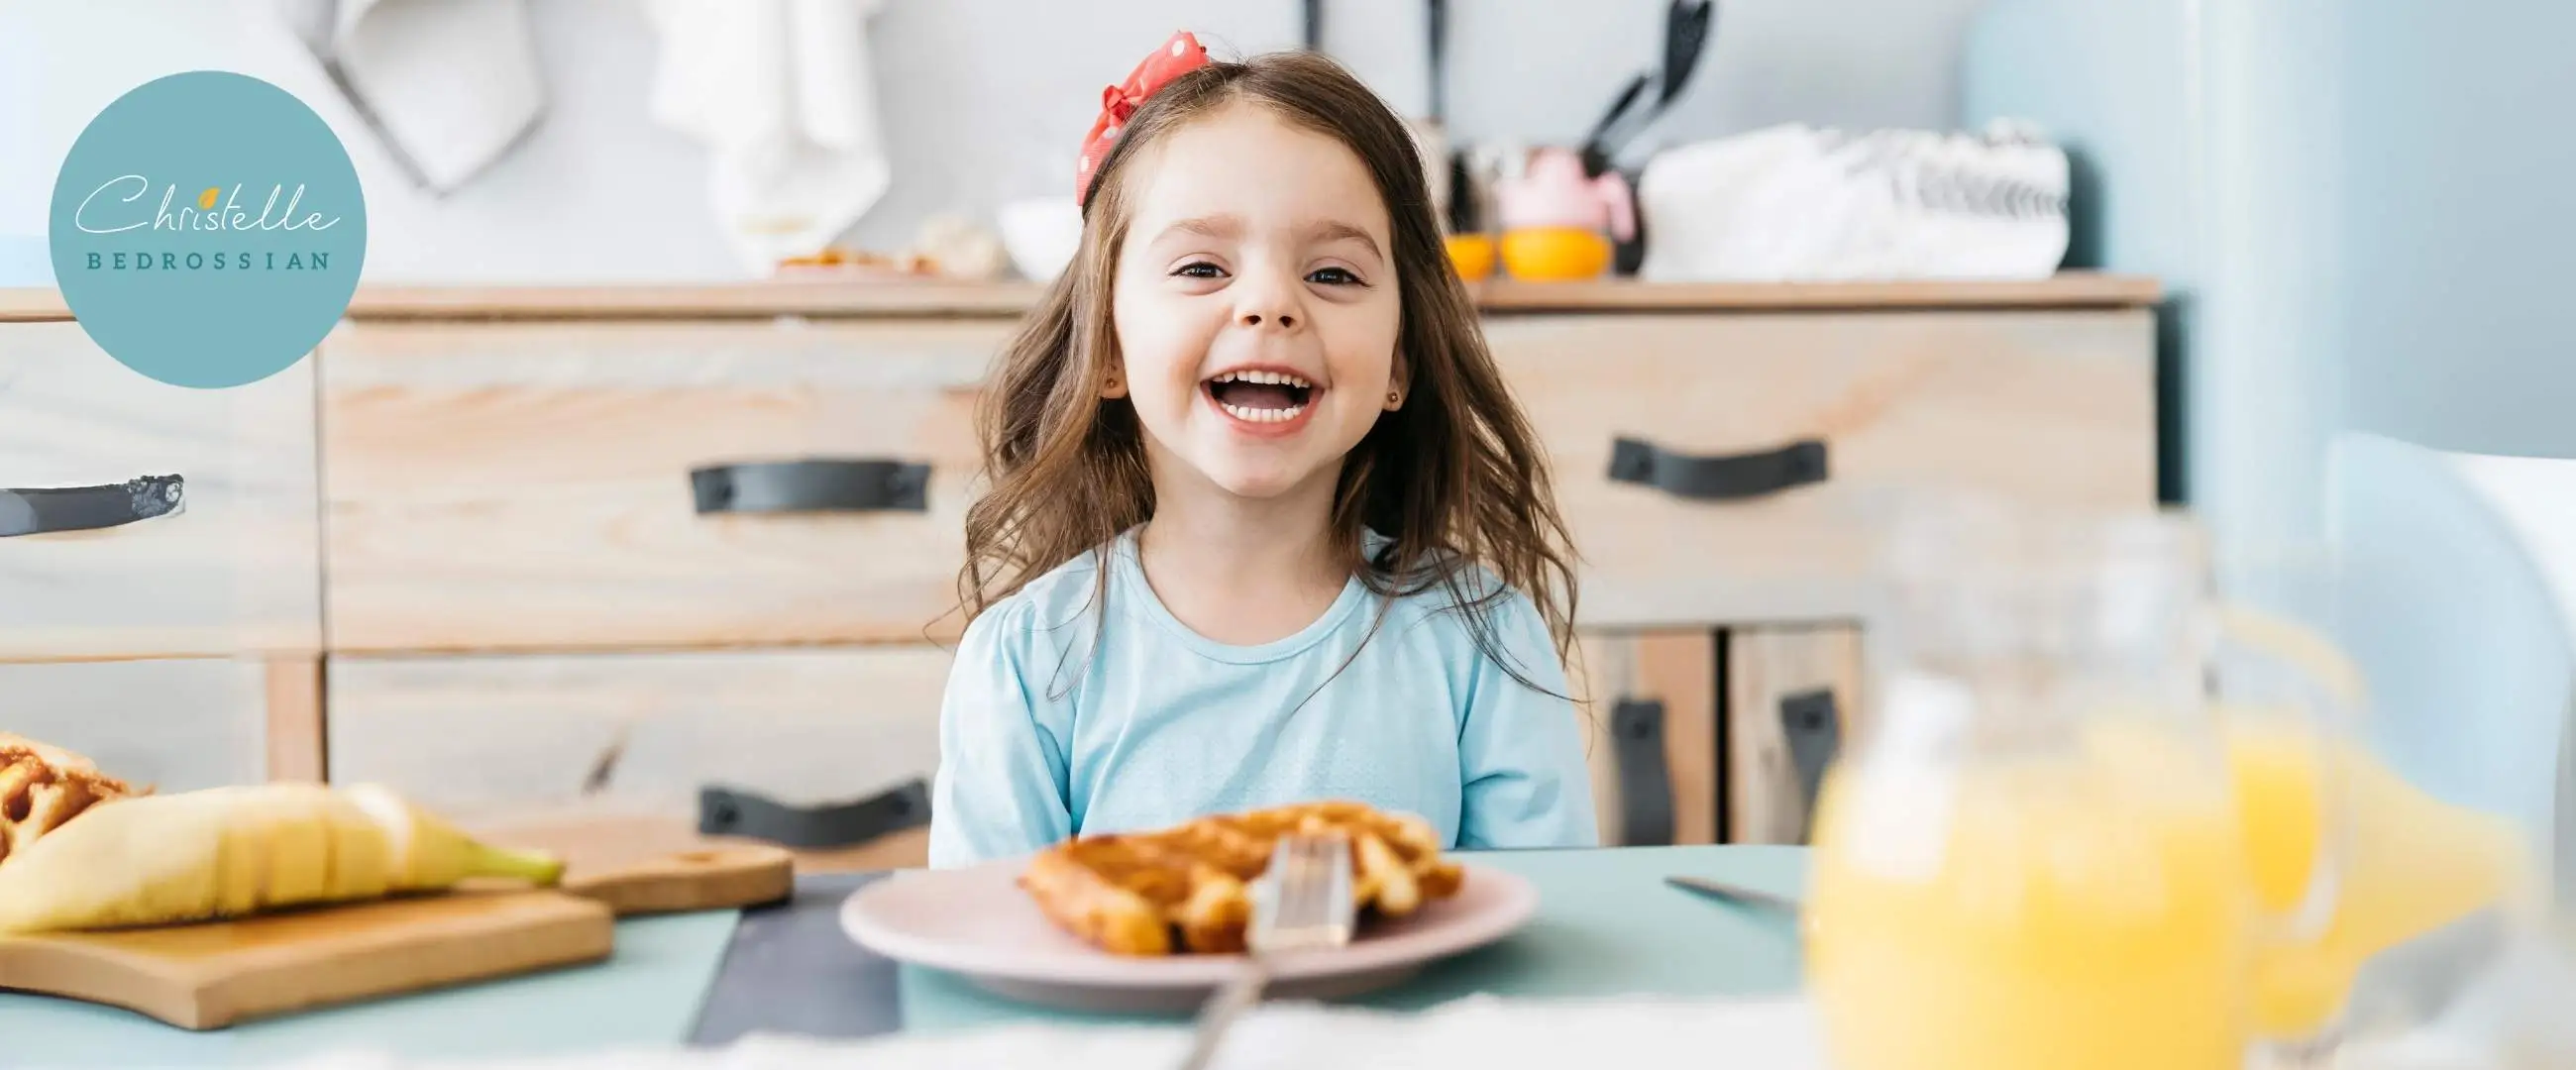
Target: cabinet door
<point x="1724" y="467"/>
<point x="1651" y="700"/>
<point x="1793" y="693"/>
<point x="173" y="724"/>
<point x="606" y="486"/>
<point x="143" y="520"/>
<point x="631" y="740"/>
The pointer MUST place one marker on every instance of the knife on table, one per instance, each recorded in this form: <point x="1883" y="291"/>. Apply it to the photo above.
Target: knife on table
<point x="1733" y="893"/>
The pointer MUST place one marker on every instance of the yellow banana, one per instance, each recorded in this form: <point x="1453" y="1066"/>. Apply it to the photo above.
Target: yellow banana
<point x="232" y="851"/>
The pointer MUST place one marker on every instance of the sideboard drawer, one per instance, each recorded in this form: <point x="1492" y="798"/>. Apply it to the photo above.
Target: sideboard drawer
<point x="1651" y="708"/>
<point x="2052" y="406"/>
<point x="503" y="737"/>
<point x="174" y="724"/>
<point x="530" y="486"/>
<point x="103" y="556"/>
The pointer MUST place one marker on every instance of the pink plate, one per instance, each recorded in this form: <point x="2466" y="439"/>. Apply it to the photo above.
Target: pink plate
<point x="976" y="922"/>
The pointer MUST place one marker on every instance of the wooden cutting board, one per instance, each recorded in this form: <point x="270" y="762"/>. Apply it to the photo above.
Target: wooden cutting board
<point x="211" y="975"/>
<point x="641" y="865"/>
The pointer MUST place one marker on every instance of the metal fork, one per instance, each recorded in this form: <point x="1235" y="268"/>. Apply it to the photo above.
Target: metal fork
<point x="1302" y="903"/>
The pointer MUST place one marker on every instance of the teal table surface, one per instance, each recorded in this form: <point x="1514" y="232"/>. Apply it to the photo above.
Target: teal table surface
<point x="1607" y="924"/>
<point x="645" y="996"/>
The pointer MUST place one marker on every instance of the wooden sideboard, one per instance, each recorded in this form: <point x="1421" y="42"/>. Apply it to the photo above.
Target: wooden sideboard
<point x="460" y="550"/>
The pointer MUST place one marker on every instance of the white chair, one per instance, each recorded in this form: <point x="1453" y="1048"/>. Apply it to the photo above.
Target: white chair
<point x="2456" y="584"/>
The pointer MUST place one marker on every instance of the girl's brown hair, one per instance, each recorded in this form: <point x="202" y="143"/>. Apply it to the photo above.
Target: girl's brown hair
<point x="1453" y="479"/>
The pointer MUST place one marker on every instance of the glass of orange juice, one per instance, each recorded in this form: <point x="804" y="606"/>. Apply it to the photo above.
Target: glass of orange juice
<point x="2032" y="856"/>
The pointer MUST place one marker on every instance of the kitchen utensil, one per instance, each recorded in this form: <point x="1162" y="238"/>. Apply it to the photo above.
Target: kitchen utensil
<point x="974" y="921"/>
<point x="1686" y="31"/>
<point x="1734" y="893"/>
<point x="1302" y="903"/>
<point x="1685" y="35"/>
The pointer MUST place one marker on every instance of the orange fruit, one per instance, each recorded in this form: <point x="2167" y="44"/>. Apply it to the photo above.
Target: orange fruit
<point x="1473" y="254"/>
<point x="1549" y="254"/>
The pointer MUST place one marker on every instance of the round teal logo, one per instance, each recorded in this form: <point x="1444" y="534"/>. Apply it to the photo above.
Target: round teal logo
<point x="207" y="229"/>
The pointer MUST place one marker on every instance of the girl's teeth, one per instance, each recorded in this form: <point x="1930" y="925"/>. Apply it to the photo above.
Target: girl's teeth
<point x="1262" y="416"/>
<point x="1263" y="377"/>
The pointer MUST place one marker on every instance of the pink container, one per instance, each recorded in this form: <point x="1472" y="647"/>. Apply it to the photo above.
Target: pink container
<point x="1553" y="192"/>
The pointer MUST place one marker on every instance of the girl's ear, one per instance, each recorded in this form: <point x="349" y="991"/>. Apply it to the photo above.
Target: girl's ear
<point x="1395" y="385"/>
<point x="1115" y="385"/>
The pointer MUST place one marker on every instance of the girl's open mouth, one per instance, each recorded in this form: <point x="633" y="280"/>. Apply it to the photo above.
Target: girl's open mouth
<point x="1261" y="397"/>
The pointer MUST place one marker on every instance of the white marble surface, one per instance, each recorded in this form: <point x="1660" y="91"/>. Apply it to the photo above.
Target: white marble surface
<point x="1482" y="1032"/>
<point x="2512" y="1019"/>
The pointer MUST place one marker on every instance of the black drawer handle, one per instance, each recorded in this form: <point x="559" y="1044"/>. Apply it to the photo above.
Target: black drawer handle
<point x="1812" y="726"/>
<point x="812" y="486"/>
<point x="1645" y="778"/>
<point x="1719" y="478"/>
<point x="740" y="812"/>
<point x="35" y="511"/>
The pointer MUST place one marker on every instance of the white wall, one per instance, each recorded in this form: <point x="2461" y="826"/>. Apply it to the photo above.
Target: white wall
<point x="972" y="116"/>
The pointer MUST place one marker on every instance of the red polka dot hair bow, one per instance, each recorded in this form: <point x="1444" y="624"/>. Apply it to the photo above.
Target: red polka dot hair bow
<point x="1178" y="56"/>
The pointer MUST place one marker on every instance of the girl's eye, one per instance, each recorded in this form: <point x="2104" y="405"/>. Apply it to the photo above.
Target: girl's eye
<point x="1200" y="269"/>
<point x="1333" y="276"/>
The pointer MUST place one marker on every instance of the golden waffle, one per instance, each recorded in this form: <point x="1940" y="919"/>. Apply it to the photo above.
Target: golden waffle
<point x="1183" y="889"/>
<point x="43" y="786"/>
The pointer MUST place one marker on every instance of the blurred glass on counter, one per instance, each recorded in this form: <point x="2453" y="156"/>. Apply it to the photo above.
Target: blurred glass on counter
<point x="2053" y="846"/>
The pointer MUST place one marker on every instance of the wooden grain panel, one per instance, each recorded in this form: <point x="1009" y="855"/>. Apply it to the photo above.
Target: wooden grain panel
<point x="294" y="706"/>
<point x="2057" y="407"/>
<point x="211" y="975"/>
<point x="235" y="570"/>
<point x="1763" y="666"/>
<point x="175" y="724"/>
<point x="663" y="869"/>
<point x="498" y="737"/>
<point x="604" y="836"/>
<point x="526" y="486"/>
<point x="1678" y="669"/>
<point x="2075" y="289"/>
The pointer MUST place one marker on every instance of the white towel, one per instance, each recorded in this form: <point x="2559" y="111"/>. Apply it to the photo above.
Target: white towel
<point x="783" y="94"/>
<point x="448" y="86"/>
<point x="1798" y="203"/>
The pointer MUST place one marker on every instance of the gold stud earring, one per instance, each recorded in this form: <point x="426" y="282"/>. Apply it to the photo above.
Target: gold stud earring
<point x="1394" y="396"/>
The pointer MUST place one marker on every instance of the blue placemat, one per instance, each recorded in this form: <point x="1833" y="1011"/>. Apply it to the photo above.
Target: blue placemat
<point x="791" y="969"/>
<point x="646" y="995"/>
<point x="1607" y="925"/>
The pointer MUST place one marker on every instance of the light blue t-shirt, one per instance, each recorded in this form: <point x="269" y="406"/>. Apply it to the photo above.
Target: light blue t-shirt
<point x="1044" y="735"/>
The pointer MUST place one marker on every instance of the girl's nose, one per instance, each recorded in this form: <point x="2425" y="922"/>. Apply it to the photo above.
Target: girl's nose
<point x="1267" y="298"/>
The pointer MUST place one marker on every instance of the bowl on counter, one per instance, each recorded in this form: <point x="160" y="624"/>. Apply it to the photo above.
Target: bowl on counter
<point x="1041" y="234"/>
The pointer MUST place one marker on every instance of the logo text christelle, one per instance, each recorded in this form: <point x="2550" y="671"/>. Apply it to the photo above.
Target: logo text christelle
<point x="173" y="214"/>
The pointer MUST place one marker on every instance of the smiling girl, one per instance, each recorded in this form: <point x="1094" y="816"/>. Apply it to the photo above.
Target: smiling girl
<point x="1264" y="524"/>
